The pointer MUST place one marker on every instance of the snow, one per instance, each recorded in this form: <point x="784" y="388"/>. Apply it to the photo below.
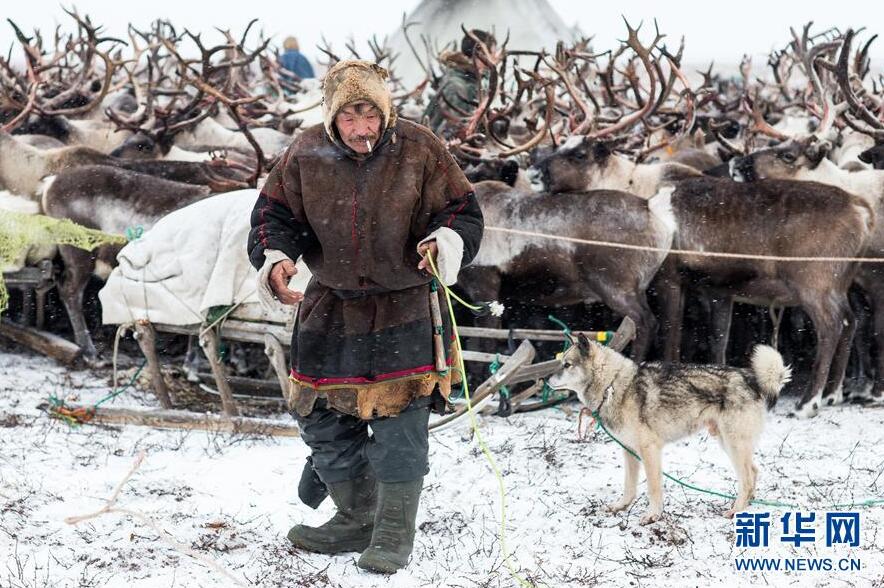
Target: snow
<point x="232" y="498"/>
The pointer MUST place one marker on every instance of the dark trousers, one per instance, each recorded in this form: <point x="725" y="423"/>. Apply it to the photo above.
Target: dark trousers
<point x="342" y="448"/>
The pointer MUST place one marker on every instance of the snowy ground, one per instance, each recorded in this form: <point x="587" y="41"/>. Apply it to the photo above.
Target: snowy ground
<point x="231" y="500"/>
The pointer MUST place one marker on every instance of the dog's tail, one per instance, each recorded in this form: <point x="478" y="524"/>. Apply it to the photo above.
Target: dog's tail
<point x="770" y="372"/>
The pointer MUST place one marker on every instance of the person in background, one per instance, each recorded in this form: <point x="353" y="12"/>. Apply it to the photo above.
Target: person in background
<point x="294" y="61"/>
<point x="457" y="91"/>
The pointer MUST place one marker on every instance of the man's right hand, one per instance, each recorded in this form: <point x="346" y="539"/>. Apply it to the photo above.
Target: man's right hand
<point x="280" y="274"/>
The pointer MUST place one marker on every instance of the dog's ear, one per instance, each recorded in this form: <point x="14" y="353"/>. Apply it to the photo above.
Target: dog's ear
<point x="583" y="344"/>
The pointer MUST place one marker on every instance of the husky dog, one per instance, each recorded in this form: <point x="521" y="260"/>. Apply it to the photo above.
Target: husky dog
<point x="649" y="405"/>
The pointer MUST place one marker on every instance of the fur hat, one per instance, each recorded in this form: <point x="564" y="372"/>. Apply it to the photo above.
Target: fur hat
<point x="350" y="81"/>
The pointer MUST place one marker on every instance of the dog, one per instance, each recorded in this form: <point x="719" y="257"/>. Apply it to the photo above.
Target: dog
<point x="648" y="405"/>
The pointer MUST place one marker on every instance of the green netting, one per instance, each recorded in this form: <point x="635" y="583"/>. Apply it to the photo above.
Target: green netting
<point x="19" y="232"/>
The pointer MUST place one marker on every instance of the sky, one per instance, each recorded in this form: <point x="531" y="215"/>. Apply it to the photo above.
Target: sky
<point x="719" y="31"/>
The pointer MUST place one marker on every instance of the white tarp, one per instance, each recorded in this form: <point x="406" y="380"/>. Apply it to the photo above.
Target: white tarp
<point x="191" y="260"/>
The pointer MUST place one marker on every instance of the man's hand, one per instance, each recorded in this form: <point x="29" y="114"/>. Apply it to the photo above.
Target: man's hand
<point x="280" y="274"/>
<point x="433" y="249"/>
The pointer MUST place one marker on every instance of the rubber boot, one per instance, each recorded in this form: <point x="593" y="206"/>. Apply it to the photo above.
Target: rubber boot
<point x="350" y="529"/>
<point x="393" y="536"/>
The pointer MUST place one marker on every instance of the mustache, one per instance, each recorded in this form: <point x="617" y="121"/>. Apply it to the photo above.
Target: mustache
<point x="364" y="137"/>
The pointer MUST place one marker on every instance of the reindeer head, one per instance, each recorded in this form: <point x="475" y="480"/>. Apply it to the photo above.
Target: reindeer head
<point x="501" y="170"/>
<point x="785" y="161"/>
<point x="573" y="166"/>
<point x="874" y="156"/>
<point x="138" y="146"/>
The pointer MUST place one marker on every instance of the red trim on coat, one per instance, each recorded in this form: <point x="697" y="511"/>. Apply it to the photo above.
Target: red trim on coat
<point x="459" y="209"/>
<point x="360" y="380"/>
<point x="262" y="232"/>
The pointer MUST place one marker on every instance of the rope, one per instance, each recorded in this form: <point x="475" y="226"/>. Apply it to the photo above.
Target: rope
<point x="615" y="245"/>
<point x="79" y="416"/>
<point x="222" y="317"/>
<point x="601" y="425"/>
<point x="493" y="367"/>
<point x="475" y="426"/>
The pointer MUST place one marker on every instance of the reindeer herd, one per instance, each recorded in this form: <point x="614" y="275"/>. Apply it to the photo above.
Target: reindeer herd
<point x="618" y="146"/>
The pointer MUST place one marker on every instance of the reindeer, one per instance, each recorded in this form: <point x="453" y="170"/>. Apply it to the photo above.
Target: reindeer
<point x="115" y="201"/>
<point x="556" y="273"/>
<point x="50" y="101"/>
<point x="23" y="168"/>
<point x="722" y="215"/>
<point x="874" y="156"/>
<point x="805" y="159"/>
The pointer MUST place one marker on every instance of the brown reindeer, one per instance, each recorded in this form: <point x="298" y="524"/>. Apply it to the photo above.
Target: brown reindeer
<point x="805" y="160"/>
<point x="784" y="218"/>
<point x="558" y="273"/>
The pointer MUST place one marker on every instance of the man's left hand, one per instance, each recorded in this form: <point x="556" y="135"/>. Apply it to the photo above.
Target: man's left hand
<point x="428" y="247"/>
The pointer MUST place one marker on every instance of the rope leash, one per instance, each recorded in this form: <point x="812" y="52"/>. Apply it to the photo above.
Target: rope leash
<point x="475" y="427"/>
<point x="599" y="424"/>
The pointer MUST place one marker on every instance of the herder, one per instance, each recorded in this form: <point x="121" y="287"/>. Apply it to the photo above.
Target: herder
<point x="364" y="198"/>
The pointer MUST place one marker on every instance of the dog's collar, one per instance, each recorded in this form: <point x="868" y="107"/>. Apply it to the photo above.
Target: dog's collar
<point x="609" y="391"/>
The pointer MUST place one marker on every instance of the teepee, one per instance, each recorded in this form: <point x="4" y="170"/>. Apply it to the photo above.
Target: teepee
<point x="532" y="25"/>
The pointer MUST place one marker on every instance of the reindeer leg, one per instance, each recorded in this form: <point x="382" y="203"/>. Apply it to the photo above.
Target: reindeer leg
<point x="633" y="304"/>
<point x="776" y="317"/>
<point x="834" y="391"/>
<point x="877" y="299"/>
<point x="721" y="308"/>
<point x="192" y="360"/>
<point x="859" y="367"/>
<point x="827" y="319"/>
<point x="672" y="296"/>
<point x="78" y="266"/>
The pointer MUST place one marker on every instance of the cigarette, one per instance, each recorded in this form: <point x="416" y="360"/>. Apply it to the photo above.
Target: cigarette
<point x="368" y="144"/>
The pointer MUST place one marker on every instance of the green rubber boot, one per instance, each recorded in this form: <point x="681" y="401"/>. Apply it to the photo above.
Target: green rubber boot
<point x="350" y="529"/>
<point x="393" y="536"/>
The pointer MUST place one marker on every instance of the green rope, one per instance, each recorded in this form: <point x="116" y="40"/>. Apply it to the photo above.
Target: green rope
<point x="134" y="233"/>
<point x="478" y="434"/>
<point x="80" y="416"/>
<point x="601" y="425"/>
<point x="119" y="391"/>
<point x="493" y="367"/>
<point x="565" y="328"/>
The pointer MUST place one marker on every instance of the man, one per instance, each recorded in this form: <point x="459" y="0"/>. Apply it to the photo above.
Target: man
<point x="364" y="198"/>
<point x="458" y="88"/>
<point x="294" y="61"/>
